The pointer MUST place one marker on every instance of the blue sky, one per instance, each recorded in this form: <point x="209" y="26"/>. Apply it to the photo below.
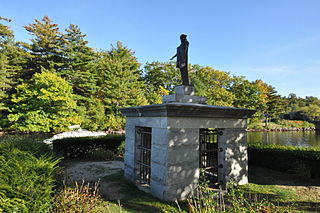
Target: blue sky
<point x="277" y="41"/>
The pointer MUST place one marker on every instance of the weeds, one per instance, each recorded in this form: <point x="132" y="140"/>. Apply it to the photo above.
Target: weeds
<point x="236" y="200"/>
<point x="82" y="198"/>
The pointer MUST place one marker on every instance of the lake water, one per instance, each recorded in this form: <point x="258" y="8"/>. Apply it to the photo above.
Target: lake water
<point x="303" y="139"/>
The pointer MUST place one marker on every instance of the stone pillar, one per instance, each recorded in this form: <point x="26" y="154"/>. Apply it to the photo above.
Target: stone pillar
<point x="129" y="157"/>
<point x="235" y="156"/>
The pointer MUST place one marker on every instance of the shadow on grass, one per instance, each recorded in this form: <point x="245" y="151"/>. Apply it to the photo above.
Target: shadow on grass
<point x="265" y="176"/>
<point x="287" y="190"/>
<point x="136" y="200"/>
<point x="302" y="206"/>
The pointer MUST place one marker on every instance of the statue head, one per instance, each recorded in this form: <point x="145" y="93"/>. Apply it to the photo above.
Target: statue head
<point x="183" y="37"/>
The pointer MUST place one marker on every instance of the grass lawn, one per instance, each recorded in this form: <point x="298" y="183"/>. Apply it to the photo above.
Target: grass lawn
<point x="282" y="189"/>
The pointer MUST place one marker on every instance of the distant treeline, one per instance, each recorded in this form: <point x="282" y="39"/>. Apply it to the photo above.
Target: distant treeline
<point x="57" y="80"/>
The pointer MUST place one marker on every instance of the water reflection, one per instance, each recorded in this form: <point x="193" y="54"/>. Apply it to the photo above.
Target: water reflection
<point x="303" y="139"/>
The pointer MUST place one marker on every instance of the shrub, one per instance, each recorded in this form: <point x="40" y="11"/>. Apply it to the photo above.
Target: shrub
<point x="27" y="178"/>
<point x="80" y="147"/>
<point x="299" y="160"/>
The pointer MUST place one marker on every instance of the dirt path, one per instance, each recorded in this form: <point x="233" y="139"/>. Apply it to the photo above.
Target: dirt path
<point x="93" y="172"/>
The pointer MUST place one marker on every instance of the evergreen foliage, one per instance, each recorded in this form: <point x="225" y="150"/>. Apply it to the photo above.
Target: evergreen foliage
<point x="80" y="63"/>
<point x="27" y="179"/>
<point x="46" y="48"/>
<point x="120" y="84"/>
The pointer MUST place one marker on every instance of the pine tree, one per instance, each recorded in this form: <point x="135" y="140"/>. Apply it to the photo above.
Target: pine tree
<point x="6" y="37"/>
<point x="80" y="62"/>
<point x="46" y="48"/>
<point x="12" y="59"/>
<point x="275" y="104"/>
<point x="120" y="84"/>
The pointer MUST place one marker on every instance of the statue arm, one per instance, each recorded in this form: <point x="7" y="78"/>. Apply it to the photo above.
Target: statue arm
<point x="173" y="57"/>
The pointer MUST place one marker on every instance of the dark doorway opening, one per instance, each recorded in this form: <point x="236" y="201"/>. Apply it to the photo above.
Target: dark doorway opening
<point x="208" y="157"/>
<point x="144" y="154"/>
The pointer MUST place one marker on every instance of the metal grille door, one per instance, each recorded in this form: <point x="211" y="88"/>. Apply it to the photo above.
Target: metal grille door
<point x="209" y="155"/>
<point x="144" y="152"/>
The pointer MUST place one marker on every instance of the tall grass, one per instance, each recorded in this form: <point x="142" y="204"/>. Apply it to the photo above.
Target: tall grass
<point x="236" y="200"/>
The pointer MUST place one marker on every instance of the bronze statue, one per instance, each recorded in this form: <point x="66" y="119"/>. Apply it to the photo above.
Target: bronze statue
<point x="182" y="59"/>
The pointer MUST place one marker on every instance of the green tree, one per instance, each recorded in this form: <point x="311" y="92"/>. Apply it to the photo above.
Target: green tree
<point x="7" y="68"/>
<point x="310" y="100"/>
<point x="293" y="102"/>
<point x="161" y="78"/>
<point x="213" y="84"/>
<point x="43" y="104"/>
<point x="120" y="83"/>
<point x="247" y="94"/>
<point x="79" y="70"/>
<point x="275" y="104"/>
<point x="11" y="60"/>
<point x="46" y="48"/>
<point x="80" y="62"/>
<point x="312" y="112"/>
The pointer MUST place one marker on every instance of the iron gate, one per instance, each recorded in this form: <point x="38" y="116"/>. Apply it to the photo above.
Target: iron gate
<point x="209" y="155"/>
<point x="144" y="154"/>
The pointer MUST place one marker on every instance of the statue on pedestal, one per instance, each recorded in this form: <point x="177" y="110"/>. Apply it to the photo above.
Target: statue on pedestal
<point x="182" y="59"/>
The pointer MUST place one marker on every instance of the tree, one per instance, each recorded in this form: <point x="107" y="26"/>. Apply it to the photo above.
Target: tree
<point x="6" y="71"/>
<point x="119" y="81"/>
<point x="293" y="102"/>
<point x="160" y="78"/>
<point x="213" y="84"/>
<point x="310" y="100"/>
<point x="46" y="48"/>
<point x="275" y="104"/>
<point x="43" y="104"/>
<point x="247" y="94"/>
<point x="11" y="60"/>
<point x="80" y="62"/>
<point x="311" y="112"/>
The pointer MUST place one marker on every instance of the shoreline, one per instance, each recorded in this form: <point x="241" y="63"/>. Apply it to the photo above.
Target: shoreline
<point x="292" y="129"/>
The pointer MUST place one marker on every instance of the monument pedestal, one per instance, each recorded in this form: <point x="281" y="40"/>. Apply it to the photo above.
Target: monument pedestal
<point x="166" y="146"/>
<point x="183" y="94"/>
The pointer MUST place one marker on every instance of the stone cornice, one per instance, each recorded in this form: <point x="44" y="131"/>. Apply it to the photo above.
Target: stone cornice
<point x="186" y="110"/>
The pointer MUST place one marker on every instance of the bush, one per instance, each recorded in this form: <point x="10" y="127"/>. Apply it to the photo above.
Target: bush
<point x="27" y="178"/>
<point x="80" y="147"/>
<point x="299" y="160"/>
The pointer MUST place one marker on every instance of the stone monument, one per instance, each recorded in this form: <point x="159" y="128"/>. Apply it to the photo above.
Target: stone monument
<point x="169" y="144"/>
